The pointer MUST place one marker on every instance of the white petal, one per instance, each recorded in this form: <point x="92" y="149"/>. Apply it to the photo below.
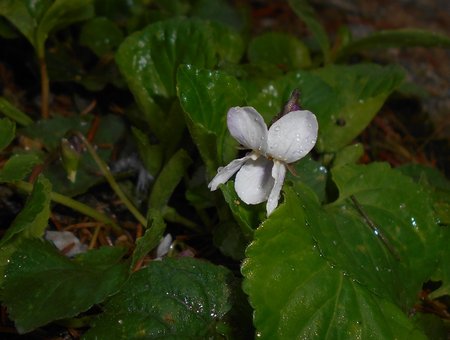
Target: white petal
<point x="247" y="126"/>
<point x="292" y="136"/>
<point x="224" y="174"/>
<point x="164" y="246"/>
<point x="278" y="173"/>
<point x="254" y="181"/>
<point x="67" y="241"/>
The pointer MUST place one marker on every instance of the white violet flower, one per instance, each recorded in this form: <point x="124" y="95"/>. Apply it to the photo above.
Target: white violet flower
<point x="260" y="174"/>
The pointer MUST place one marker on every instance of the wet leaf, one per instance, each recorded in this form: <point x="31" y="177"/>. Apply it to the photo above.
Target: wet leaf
<point x="149" y="60"/>
<point x="31" y="222"/>
<point x="344" y="98"/>
<point x="311" y="173"/>
<point x="38" y="275"/>
<point x="206" y="96"/>
<point x="297" y="293"/>
<point x="438" y="187"/>
<point x="179" y="298"/>
<point x="436" y="184"/>
<point x="280" y="49"/>
<point x="401" y="211"/>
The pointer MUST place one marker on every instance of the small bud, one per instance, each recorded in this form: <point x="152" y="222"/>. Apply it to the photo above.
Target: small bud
<point x="70" y="156"/>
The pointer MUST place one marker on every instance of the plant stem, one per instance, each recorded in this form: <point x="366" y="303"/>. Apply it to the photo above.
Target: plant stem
<point x="75" y="205"/>
<point x="45" y="88"/>
<point x="112" y="182"/>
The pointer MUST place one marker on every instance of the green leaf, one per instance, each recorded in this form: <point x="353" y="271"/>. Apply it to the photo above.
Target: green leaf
<point x="360" y="91"/>
<point x="228" y="44"/>
<point x="438" y="187"/>
<point x="220" y="11"/>
<point x="7" y="132"/>
<point x="344" y="98"/>
<point x="150" y="154"/>
<point x="29" y="223"/>
<point x="38" y="275"/>
<point x="280" y="49"/>
<point x="61" y="13"/>
<point x="13" y="113"/>
<point x="248" y="216"/>
<point x="297" y="294"/>
<point x="50" y="131"/>
<point x="395" y="38"/>
<point x="442" y="273"/>
<point x="24" y="16"/>
<point x="305" y="12"/>
<point x="17" y="167"/>
<point x="401" y="211"/>
<point x="7" y="30"/>
<point x="168" y="179"/>
<point x="173" y="298"/>
<point x="32" y="219"/>
<point x="149" y="60"/>
<point x="101" y="35"/>
<point x="348" y="155"/>
<point x="151" y="238"/>
<point x="436" y="184"/>
<point x="37" y="19"/>
<point x="310" y="173"/>
<point x="206" y="96"/>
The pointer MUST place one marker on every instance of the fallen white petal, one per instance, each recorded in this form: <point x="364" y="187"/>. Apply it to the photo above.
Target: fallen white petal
<point x="225" y="173"/>
<point x="254" y="180"/>
<point x="247" y="126"/>
<point x="164" y="246"/>
<point x="64" y="239"/>
<point x="278" y="174"/>
<point x="292" y="136"/>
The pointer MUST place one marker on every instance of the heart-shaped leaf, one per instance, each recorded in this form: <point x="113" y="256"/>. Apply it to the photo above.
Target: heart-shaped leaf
<point x="38" y="275"/>
<point x="178" y="298"/>
<point x="296" y="293"/>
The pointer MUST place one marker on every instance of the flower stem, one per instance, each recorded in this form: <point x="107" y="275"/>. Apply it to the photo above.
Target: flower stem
<point x="75" y="205"/>
<point x="112" y="182"/>
<point x="45" y="88"/>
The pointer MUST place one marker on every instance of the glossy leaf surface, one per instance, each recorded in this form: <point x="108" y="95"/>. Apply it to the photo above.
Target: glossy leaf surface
<point x="76" y="284"/>
<point x="178" y="298"/>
